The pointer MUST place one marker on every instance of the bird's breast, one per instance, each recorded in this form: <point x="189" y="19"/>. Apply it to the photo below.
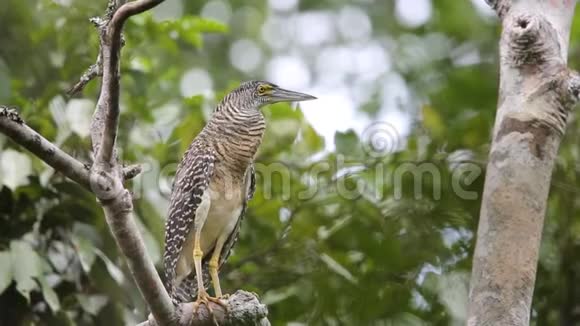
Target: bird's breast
<point x="225" y="209"/>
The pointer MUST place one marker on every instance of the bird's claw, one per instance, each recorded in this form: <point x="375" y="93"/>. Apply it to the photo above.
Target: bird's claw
<point x="204" y="298"/>
<point x="219" y="301"/>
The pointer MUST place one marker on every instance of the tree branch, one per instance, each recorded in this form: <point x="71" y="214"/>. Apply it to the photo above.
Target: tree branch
<point x="93" y="71"/>
<point x="14" y="127"/>
<point x="131" y="171"/>
<point x="243" y="309"/>
<point x="115" y="199"/>
<point x="110" y="51"/>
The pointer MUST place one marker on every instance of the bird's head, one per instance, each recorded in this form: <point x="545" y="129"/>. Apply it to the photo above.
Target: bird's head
<point x="260" y="93"/>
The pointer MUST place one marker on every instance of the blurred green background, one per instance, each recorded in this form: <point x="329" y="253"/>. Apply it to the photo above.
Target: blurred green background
<point x="368" y="198"/>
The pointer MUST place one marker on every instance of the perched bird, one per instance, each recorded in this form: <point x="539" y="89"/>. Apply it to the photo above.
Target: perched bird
<point x="212" y="185"/>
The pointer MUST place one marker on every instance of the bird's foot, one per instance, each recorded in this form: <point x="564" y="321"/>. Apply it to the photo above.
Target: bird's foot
<point x="205" y="299"/>
<point x="220" y="301"/>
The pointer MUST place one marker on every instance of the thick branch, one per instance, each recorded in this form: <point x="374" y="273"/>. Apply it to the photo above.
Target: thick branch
<point x="121" y="221"/>
<point x="14" y="127"/>
<point x="537" y="92"/>
<point x="242" y="309"/>
<point x="115" y="199"/>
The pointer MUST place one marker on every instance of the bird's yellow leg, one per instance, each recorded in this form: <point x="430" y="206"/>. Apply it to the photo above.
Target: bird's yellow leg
<point x="202" y="296"/>
<point x="213" y="268"/>
<point x="197" y="256"/>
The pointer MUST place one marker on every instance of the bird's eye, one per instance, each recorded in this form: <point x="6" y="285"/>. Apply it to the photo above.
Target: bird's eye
<point x="262" y="89"/>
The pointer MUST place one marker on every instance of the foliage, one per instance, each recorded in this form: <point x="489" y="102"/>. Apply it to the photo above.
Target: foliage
<point x="337" y="237"/>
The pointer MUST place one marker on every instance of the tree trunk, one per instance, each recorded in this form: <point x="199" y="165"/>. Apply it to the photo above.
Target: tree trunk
<point x="536" y="93"/>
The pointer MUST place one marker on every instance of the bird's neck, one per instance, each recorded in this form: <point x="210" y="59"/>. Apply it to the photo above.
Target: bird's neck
<point x="236" y="135"/>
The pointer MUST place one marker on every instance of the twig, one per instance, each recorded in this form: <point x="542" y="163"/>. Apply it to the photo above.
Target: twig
<point x="131" y="171"/>
<point x="93" y="71"/>
<point x="14" y="127"/>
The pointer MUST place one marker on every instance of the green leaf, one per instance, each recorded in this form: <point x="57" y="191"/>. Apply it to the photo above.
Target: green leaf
<point x="113" y="270"/>
<point x="26" y="266"/>
<point x="190" y="28"/>
<point x="347" y="143"/>
<point x="5" y="270"/>
<point x="92" y="303"/>
<point x="309" y="141"/>
<point x="86" y="252"/>
<point x="337" y="268"/>
<point x="194" y="102"/>
<point x="205" y="25"/>
<point x="49" y="295"/>
<point x="274" y="296"/>
<point x="150" y="242"/>
<point x="433" y="122"/>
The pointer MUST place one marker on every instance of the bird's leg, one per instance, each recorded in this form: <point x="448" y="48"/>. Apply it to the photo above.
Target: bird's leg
<point x="202" y="295"/>
<point x="199" y="221"/>
<point x="213" y="271"/>
<point x="197" y="256"/>
<point x="214" y="265"/>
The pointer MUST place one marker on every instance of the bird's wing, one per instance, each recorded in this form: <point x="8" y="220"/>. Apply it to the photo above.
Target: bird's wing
<point x="191" y="181"/>
<point x="251" y="182"/>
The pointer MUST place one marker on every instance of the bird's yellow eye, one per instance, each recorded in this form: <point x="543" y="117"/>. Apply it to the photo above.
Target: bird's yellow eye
<point x="262" y="89"/>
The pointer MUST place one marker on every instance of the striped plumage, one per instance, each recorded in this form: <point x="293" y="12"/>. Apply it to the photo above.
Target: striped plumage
<point x="213" y="183"/>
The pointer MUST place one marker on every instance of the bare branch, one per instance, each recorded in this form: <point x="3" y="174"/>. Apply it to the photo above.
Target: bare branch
<point x="110" y="51"/>
<point x="119" y="215"/>
<point x="93" y="71"/>
<point x="14" y="127"/>
<point x="131" y="171"/>
<point x="243" y="308"/>
<point x="115" y="199"/>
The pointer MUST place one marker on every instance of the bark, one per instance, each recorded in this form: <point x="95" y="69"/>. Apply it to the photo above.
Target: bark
<point x="244" y="309"/>
<point x="105" y="178"/>
<point x="14" y="127"/>
<point x="537" y="92"/>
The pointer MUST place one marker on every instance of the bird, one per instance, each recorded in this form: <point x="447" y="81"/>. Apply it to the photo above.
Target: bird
<point x="212" y="185"/>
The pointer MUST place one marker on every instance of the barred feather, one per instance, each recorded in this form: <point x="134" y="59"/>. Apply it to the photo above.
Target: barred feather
<point x="191" y="181"/>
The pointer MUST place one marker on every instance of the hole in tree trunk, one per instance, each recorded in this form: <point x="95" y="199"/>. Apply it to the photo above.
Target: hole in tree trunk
<point x="523" y="23"/>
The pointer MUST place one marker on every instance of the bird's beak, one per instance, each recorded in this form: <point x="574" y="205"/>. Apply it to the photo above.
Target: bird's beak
<point x="284" y="95"/>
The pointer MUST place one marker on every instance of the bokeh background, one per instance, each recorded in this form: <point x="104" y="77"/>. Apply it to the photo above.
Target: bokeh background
<point x="424" y="70"/>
